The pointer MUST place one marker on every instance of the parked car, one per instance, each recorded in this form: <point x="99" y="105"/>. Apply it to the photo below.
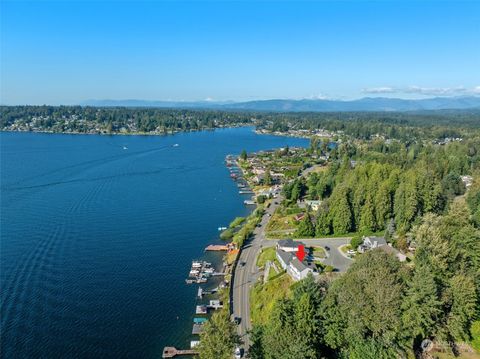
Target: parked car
<point x="238" y="353"/>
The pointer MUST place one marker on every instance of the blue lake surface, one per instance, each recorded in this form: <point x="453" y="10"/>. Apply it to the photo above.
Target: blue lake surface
<point x="97" y="240"/>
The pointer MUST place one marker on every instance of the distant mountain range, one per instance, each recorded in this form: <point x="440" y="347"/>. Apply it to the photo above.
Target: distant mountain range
<point x="317" y="105"/>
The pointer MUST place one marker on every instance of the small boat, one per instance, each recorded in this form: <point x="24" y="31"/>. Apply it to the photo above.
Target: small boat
<point x="194" y="273"/>
<point x="222" y="228"/>
<point x="196" y="264"/>
<point x="125" y="147"/>
<point x="176" y="145"/>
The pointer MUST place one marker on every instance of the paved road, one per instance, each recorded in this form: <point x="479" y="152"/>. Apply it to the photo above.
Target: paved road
<point x="247" y="274"/>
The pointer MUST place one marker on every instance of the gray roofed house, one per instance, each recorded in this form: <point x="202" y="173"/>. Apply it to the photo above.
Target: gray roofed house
<point x="371" y="243"/>
<point x="284" y="258"/>
<point x="298" y="270"/>
<point x="288" y="245"/>
<point x="294" y="267"/>
<point x="380" y="242"/>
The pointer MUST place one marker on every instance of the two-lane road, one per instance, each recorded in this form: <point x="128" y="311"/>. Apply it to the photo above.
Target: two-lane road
<point x="247" y="273"/>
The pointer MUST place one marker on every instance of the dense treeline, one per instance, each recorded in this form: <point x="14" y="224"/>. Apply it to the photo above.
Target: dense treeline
<point x="370" y="187"/>
<point x="382" y="308"/>
<point x="407" y="127"/>
<point x="404" y="126"/>
<point x="114" y="119"/>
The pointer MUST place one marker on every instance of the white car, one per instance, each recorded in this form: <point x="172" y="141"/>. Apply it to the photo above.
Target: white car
<point x="238" y="353"/>
<point x="351" y="252"/>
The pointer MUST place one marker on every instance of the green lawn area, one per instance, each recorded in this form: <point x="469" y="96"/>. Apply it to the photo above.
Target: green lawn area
<point x="319" y="252"/>
<point x="463" y="355"/>
<point x="263" y="297"/>
<point x="280" y="222"/>
<point x="267" y="254"/>
<point x="345" y="248"/>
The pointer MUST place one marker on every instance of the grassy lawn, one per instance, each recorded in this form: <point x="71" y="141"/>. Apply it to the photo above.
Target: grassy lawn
<point x="463" y="355"/>
<point x="345" y="248"/>
<point x="280" y="222"/>
<point x="319" y="252"/>
<point x="267" y="254"/>
<point x="263" y="297"/>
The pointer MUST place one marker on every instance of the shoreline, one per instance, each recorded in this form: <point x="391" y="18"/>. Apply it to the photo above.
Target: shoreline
<point x="153" y="134"/>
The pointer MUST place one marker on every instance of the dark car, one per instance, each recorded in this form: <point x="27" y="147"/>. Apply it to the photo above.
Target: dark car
<point x="237" y="320"/>
<point x="242" y="264"/>
<point x="327" y="248"/>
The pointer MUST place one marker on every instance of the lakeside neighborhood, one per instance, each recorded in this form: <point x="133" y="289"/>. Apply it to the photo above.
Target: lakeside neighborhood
<point x="292" y="233"/>
<point x="280" y="181"/>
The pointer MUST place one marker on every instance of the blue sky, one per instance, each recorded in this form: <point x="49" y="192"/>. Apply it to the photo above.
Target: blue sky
<point x="65" y="52"/>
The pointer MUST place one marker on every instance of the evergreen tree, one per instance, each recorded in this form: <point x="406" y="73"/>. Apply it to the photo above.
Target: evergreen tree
<point x="368" y="219"/>
<point x="421" y="306"/>
<point x="305" y="228"/>
<point x="463" y="303"/>
<point x="340" y="211"/>
<point x="323" y="225"/>
<point x="219" y="337"/>
<point x="243" y="155"/>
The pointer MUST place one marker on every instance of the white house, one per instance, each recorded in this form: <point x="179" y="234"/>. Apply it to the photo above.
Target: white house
<point x="294" y="267"/>
<point x="298" y="270"/>
<point x="371" y="243"/>
<point x="313" y="204"/>
<point x="288" y="245"/>
<point x="380" y="242"/>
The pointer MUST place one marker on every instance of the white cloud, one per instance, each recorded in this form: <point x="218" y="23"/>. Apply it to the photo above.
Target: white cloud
<point x="385" y="89"/>
<point x="318" y="97"/>
<point x="429" y="91"/>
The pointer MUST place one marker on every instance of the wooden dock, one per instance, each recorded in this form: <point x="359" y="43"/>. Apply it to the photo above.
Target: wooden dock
<point x="217" y="247"/>
<point x="170" y="352"/>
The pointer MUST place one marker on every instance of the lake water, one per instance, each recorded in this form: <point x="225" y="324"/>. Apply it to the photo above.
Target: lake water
<point x="98" y="234"/>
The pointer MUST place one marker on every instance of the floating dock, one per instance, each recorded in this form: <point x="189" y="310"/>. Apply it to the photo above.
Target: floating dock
<point x="199" y="272"/>
<point x="197" y="329"/>
<point x="201" y="309"/>
<point x="217" y="247"/>
<point x="171" y="352"/>
<point x="202" y="292"/>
